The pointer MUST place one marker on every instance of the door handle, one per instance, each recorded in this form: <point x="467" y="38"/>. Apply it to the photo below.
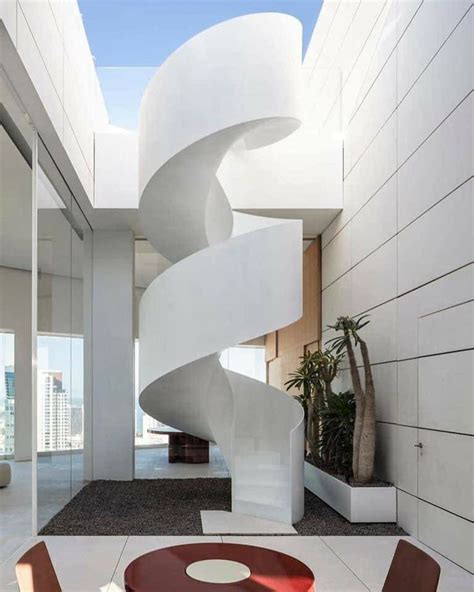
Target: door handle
<point x="419" y="445"/>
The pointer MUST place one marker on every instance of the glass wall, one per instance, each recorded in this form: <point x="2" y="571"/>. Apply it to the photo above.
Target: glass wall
<point x="15" y="339"/>
<point x="7" y="394"/>
<point x="56" y="335"/>
<point x="60" y="342"/>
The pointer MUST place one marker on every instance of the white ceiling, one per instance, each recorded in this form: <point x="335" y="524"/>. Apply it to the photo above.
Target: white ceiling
<point x="314" y="221"/>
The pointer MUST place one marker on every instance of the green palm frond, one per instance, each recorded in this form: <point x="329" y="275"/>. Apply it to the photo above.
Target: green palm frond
<point x="337" y="416"/>
<point x="350" y="328"/>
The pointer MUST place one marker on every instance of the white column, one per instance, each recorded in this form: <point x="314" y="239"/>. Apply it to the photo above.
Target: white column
<point x="112" y="403"/>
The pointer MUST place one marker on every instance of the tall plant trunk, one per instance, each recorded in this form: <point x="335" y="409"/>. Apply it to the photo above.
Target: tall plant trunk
<point x="360" y="407"/>
<point x="327" y="389"/>
<point x="307" y="398"/>
<point x="367" y="441"/>
<point x="312" y="431"/>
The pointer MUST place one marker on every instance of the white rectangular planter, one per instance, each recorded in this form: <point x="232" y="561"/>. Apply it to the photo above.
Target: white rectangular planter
<point x="357" y="504"/>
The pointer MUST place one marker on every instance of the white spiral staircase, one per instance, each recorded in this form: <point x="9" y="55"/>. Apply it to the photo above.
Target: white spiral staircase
<point x="235" y="277"/>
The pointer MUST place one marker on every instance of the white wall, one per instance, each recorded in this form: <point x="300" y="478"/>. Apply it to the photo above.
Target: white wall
<point x="50" y="40"/>
<point x="402" y="249"/>
<point x="116" y="168"/>
<point x="113" y="397"/>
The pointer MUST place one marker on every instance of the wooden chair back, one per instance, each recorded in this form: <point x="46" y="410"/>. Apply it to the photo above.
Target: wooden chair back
<point x="35" y="571"/>
<point x="412" y="570"/>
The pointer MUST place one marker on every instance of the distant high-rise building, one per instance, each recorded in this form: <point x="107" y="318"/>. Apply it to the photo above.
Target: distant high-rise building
<point x="9" y="412"/>
<point x="54" y="416"/>
<point x="77" y="426"/>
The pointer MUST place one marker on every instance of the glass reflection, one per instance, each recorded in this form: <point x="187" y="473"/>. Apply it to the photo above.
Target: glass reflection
<point x="15" y="341"/>
<point x="60" y="345"/>
<point x="53" y="350"/>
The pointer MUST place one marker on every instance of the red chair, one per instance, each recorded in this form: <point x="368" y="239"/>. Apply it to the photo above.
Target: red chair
<point x="35" y="571"/>
<point x="411" y="570"/>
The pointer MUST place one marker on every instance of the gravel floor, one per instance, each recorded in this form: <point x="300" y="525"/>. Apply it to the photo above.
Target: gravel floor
<point x="172" y="507"/>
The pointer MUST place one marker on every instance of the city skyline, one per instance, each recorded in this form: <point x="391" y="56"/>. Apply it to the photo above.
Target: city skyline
<point x="60" y="357"/>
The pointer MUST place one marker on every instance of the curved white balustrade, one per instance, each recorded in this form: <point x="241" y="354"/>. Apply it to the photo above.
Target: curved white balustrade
<point x="235" y="277"/>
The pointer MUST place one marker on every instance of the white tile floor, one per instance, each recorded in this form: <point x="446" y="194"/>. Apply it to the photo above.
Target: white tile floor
<point x="15" y="509"/>
<point x="221" y="522"/>
<point x="152" y="463"/>
<point x="340" y="564"/>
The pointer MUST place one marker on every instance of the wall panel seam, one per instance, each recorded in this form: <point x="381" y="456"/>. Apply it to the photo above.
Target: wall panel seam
<point x="364" y="258"/>
<point x="353" y="68"/>
<point x="437" y="126"/>
<point x="421" y="499"/>
<point x="61" y="100"/>
<point x="407" y="291"/>
<point x="396" y="171"/>
<point x="312" y="68"/>
<point x="420" y="357"/>
<point x="425" y="429"/>
<point x="435" y="279"/>
<point x="420" y="215"/>
<point x="451" y="306"/>
<point x="332" y="66"/>
<point x="41" y="56"/>
<point x="419" y="145"/>
<point x="77" y="141"/>
<point x="436" y="203"/>
<point x="451" y="33"/>
<point x="56" y="22"/>
<point x="400" y="101"/>
<point x="385" y="63"/>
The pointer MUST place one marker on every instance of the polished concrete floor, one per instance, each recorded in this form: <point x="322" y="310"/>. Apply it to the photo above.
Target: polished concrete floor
<point x="340" y="564"/>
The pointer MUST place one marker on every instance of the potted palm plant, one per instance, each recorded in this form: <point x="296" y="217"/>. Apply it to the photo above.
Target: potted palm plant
<point x="313" y="380"/>
<point x="340" y="429"/>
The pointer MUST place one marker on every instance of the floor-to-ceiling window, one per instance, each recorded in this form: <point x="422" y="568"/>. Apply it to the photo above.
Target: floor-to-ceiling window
<point x="60" y="342"/>
<point x="7" y="394"/>
<point x="15" y="339"/>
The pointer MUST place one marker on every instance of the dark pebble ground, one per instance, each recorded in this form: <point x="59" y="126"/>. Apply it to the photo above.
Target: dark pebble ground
<point x="172" y="507"/>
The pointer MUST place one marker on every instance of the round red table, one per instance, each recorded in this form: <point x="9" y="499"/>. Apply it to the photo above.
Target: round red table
<point x="164" y="570"/>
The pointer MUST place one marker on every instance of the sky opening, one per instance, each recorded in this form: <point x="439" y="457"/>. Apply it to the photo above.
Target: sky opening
<point x="131" y="38"/>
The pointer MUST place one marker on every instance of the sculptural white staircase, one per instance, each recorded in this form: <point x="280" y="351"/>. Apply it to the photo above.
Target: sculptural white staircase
<point x="235" y="277"/>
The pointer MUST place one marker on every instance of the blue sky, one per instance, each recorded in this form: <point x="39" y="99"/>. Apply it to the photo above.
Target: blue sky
<point x="130" y="38"/>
